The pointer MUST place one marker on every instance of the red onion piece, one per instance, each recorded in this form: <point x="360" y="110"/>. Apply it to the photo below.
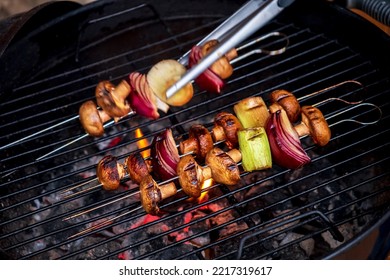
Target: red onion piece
<point x="165" y="155"/>
<point x="142" y="99"/>
<point x="284" y="142"/>
<point x="208" y="80"/>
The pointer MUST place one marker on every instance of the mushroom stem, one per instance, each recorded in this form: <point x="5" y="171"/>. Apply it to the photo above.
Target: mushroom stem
<point x="302" y="129"/>
<point x="103" y="116"/>
<point x="235" y="155"/>
<point x="168" y="190"/>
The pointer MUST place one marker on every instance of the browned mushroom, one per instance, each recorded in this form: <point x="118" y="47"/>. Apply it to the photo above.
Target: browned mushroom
<point x="191" y="175"/>
<point x="92" y="119"/>
<point x="314" y="124"/>
<point x="199" y="142"/>
<point x="113" y="100"/>
<point x="137" y="167"/>
<point x="225" y="128"/>
<point x="223" y="166"/>
<point x="110" y="172"/>
<point x="152" y="194"/>
<point x="287" y="101"/>
<point x="222" y="66"/>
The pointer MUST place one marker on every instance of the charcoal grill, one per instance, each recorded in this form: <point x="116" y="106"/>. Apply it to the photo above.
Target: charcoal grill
<point x="316" y="212"/>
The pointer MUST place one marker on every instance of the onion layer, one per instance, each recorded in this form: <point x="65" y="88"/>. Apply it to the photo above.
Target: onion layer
<point x="285" y="145"/>
<point x="208" y="80"/>
<point x="165" y="155"/>
<point x="142" y="98"/>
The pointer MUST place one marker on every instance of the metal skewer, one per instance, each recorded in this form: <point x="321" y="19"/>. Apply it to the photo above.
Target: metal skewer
<point x="38" y="132"/>
<point x="107" y="222"/>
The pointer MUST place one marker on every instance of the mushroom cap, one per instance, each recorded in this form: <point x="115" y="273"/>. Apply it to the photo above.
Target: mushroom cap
<point x="230" y="125"/>
<point x="90" y="119"/>
<point x="112" y="102"/>
<point x="222" y="66"/>
<point x="313" y="118"/>
<point x="150" y="195"/>
<point x="199" y="142"/>
<point x="289" y="103"/>
<point x="109" y="172"/>
<point x="190" y="176"/>
<point x="137" y="167"/>
<point x="224" y="169"/>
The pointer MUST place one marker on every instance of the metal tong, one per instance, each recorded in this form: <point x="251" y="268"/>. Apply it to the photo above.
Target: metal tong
<point x="242" y="24"/>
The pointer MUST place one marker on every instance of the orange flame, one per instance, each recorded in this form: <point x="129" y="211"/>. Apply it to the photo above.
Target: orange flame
<point x="206" y="184"/>
<point x="142" y="143"/>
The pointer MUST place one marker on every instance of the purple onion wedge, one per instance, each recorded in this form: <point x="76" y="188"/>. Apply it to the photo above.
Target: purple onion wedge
<point x="142" y="98"/>
<point x="284" y="142"/>
<point x="208" y="80"/>
<point x="165" y="155"/>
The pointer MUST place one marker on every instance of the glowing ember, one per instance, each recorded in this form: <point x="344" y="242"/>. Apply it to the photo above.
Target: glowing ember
<point x="142" y="143"/>
<point x="144" y="220"/>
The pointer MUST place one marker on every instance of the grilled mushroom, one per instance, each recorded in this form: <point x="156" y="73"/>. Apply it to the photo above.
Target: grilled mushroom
<point x="92" y="119"/>
<point x="225" y="128"/>
<point x="137" y="167"/>
<point x="314" y="124"/>
<point x="191" y="175"/>
<point x="223" y="166"/>
<point x="113" y="100"/>
<point x="152" y="194"/>
<point x="222" y="66"/>
<point x="287" y="101"/>
<point x="199" y="142"/>
<point x="110" y="172"/>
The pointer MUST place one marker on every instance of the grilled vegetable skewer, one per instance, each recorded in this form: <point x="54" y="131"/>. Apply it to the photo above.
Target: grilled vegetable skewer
<point x="252" y="112"/>
<point x="194" y="189"/>
<point x="222" y="166"/>
<point x="165" y="155"/>
<point x="114" y="102"/>
<point x="226" y="128"/>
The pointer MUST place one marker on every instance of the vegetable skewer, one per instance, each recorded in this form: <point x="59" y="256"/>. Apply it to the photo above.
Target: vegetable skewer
<point x="199" y="141"/>
<point x="191" y="176"/>
<point x="131" y="113"/>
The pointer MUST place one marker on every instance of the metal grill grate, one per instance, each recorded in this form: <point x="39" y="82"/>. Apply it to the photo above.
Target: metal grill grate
<point x="270" y="214"/>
